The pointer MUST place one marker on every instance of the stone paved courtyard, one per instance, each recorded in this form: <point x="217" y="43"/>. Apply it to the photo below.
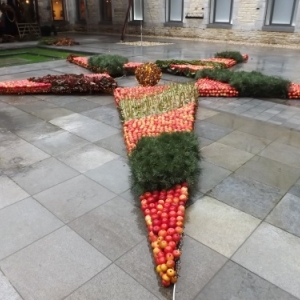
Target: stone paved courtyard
<point x="70" y="228"/>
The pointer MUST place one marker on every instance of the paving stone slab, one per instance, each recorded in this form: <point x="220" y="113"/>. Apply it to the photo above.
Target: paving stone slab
<point x="53" y="267"/>
<point x="204" y="113"/>
<point x="273" y="254"/>
<point x="73" y="198"/>
<point x="81" y="106"/>
<point x="23" y="223"/>
<point x="292" y="138"/>
<point x="72" y="121"/>
<point x="62" y="100"/>
<point x="211" y="175"/>
<point x="107" y="114"/>
<point x="85" y="127"/>
<point x="95" y="131"/>
<point x="286" y="214"/>
<point x="52" y="113"/>
<point x="286" y="154"/>
<point x="32" y="107"/>
<point x="204" y="142"/>
<point x="130" y="197"/>
<point x="7" y="292"/>
<point x="112" y="283"/>
<point x="114" y="175"/>
<point x="219" y="226"/>
<point x="36" y="132"/>
<point x="15" y="158"/>
<point x="225" y="156"/>
<point x="87" y="157"/>
<point x="262" y="129"/>
<point x="113" y="228"/>
<point x="247" y="195"/>
<point x="236" y="282"/>
<point x="60" y="142"/>
<point x="100" y="99"/>
<point x="143" y="272"/>
<point x="9" y="140"/>
<point x="228" y="120"/>
<point x="210" y="131"/>
<point x="43" y="175"/>
<point x="198" y="265"/>
<point x="244" y="141"/>
<point x="14" y="122"/>
<point x="270" y="172"/>
<point x="295" y="190"/>
<point x="114" y="143"/>
<point x="10" y="192"/>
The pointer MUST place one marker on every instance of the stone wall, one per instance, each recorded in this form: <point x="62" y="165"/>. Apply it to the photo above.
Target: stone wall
<point x="248" y="19"/>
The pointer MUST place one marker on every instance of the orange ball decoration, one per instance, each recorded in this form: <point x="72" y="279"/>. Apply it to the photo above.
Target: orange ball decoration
<point x="148" y="74"/>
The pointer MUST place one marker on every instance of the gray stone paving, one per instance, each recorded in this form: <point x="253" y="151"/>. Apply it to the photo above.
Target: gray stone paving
<point x="70" y="228"/>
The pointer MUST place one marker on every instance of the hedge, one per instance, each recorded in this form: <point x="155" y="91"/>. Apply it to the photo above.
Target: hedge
<point x="249" y="84"/>
<point x="161" y="162"/>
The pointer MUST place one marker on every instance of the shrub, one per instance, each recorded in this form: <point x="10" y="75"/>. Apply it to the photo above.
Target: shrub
<point x="237" y="56"/>
<point x="164" y="161"/>
<point x="111" y="64"/>
<point x="250" y="84"/>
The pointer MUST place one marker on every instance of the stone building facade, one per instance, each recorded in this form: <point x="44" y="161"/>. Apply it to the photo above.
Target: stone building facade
<point x="251" y="21"/>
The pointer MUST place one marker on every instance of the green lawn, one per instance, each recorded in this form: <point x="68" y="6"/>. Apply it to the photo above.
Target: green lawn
<point x="23" y="56"/>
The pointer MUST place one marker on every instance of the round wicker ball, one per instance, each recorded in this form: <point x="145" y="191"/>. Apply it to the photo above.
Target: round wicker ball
<point x="148" y="74"/>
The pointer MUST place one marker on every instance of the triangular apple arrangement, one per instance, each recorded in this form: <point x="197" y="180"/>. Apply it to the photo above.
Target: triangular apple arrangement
<point x="163" y="156"/>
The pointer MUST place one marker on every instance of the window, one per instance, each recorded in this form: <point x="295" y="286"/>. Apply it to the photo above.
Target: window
<point x="280" y="12"/>
<point x="105" y="10"/>
<point x="137" y="10"/>
<point x="221" y="11"/>
<point x="58" y="10"/>
<point x="174" y="9"/>
<point x="81" y="10"/>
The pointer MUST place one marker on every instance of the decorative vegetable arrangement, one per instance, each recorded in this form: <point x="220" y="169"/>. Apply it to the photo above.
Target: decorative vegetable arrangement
<point x="58" y="41"/>
<point x="250" y="84"/>
<point x="60" y="84"/>
<point x="148" y="74"/>
<point x="24" y="87"/>
<point x="71" y="83"/>
<point x="78" y="60"/>
<point x="175" y="96"/>
<point x="212" y="88"/>
<point x="163" y="157"/>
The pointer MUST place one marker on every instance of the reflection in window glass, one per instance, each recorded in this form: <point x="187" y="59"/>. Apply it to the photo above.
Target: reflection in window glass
<point x="106" y="11"/>
<point x="222" y="11"/>
<point x="137" y="10"/>
<point x="175" y="7"/>
<point x="282" y="12"/>
<point x="58" y="10"/>
<point x="82" y="11"/>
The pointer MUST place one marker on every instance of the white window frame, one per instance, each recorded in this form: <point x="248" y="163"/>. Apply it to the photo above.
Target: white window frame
<point x="213" y="12"/>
